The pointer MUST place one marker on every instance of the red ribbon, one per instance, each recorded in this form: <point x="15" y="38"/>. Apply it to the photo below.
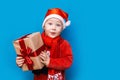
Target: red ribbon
<point x="26" y="52"/>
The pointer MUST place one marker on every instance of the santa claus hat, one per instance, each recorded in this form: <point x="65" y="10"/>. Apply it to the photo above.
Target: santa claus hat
<point x="57" y="13"/>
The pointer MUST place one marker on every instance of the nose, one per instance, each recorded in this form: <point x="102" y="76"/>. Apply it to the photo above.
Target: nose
<point x="53" y="27"/>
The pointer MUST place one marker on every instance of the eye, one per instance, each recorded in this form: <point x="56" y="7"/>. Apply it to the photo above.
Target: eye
<point x="58" y="25"/>
<point x="50" y="23"/>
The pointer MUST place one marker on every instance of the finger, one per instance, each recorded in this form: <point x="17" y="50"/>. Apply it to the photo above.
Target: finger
<point x="21" y="60"/>
<point x="18" y="58"/>
<point x="20" y="65"/>
<point x="42" y="58"/>
<point x="42" y="61"/>
<point x="43" y="55"/>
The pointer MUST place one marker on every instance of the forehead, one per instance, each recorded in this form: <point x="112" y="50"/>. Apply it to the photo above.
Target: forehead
<point x="54" y="19"/>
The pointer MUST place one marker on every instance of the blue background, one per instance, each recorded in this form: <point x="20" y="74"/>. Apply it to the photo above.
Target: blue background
<point x="94" y="36"/>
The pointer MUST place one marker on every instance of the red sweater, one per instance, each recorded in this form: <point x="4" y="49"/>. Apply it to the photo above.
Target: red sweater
<point x="59" y="64"/>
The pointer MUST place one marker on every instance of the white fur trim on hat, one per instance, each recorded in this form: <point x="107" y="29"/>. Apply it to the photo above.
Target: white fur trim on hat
<point x="56" y="16"/>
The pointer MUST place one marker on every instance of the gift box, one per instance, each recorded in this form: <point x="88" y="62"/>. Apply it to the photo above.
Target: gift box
<point x="30" y="47"/>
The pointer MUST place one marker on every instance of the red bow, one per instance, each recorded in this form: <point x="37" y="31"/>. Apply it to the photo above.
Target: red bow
<point x="26" y="55"/>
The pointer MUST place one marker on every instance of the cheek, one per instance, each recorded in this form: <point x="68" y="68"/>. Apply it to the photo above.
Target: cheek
<point x="47" y="28"/>
<point x="59" y="31"/>
<point x="46" y="32"/>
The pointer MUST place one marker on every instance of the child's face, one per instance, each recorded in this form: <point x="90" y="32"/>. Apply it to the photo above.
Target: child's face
<point x="53" y="27"/>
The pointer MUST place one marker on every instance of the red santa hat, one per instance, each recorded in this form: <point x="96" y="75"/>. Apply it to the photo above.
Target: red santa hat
<point x="57" y="13"/>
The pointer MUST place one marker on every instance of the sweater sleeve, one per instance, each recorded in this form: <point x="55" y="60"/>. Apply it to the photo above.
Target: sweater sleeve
<point x="65" y="60"/>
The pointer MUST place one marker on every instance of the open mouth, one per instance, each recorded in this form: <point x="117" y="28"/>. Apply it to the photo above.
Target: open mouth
<point x="53" y="33"/>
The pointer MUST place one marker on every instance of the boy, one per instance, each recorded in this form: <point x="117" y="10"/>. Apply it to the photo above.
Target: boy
<point x="57" y="56"/>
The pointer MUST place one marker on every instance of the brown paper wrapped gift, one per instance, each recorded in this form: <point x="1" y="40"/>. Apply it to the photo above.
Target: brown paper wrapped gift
<point x="29" y="47"/>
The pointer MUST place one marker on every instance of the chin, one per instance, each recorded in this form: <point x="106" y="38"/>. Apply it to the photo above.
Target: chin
<point x="52" y="36"/>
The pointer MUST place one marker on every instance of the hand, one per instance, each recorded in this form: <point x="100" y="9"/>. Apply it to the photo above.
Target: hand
<point x="45" y="59"/>
<point x="20" y="61"/>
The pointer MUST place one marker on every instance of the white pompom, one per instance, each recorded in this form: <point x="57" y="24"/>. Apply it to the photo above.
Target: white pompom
<point x="68" y="23"/>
